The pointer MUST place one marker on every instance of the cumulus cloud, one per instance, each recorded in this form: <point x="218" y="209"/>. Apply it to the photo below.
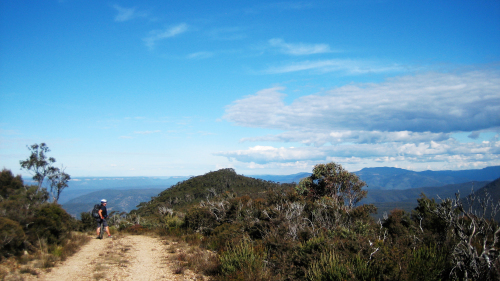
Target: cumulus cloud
<point x="264" y="154"/>
<point x="157" y="35"/>
<point x="407" y="120"/>
<point x="321" y="137"/>
<point x="300" y="48"/>
<point x="378" y="152"/>
<point x="432" y="102"/>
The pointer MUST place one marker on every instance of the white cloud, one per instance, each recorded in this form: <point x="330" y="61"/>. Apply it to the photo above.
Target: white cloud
<point x="200" y="55"/>
<point x="346" y="66"/>
<point x="126" y="14"/>
<point x="157" y="35"/>
<point x="321" y="137"/>
<point x="408" y="121"/>
<point x="300" y="48"/>
<point x="264" y="154"/>
<point x="445" y="151"/>
<point x="432" y="102"/>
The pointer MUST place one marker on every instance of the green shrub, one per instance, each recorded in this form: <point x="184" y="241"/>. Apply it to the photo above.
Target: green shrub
<point x="200" y="219"/>
<point x="173" y="222"/>
<point x="329" y="267"/>
<point x="52" y="223"/>
<point x="224" y="235"/>
<point x="304" y="255"/>
<point x="427" y="264"/>
<point x="332" y="267"/>
<point x="244" y="259"/>
<point x="87" y="222"/>
<point x="11" y="237"/>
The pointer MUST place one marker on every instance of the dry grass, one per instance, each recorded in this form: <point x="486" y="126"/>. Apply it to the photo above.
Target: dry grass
<point x="179" y="268"/>
<point x="99" y="275"/>
<point x="190" y="259"/>
<point x="73" y="245"/>
<point x="172" y="249"/>
<point x="3" y="273"/>
<point x="27" y="269"/>
<point x="45" y="258"/>
<point x="45" y="261"/>
<point x="198" y="260"/>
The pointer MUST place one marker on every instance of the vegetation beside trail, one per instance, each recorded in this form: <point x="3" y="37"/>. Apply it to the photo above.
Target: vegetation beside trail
<point x="35" y="232"/>
<point x="231" y="227"/>
<point x="316" y="231"/>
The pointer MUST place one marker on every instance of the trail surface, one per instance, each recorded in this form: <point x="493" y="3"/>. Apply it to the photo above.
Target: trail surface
<point x="134" y="257"/>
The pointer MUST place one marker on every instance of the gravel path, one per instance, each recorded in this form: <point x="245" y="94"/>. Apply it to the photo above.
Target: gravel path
<point x="134" y="257"/>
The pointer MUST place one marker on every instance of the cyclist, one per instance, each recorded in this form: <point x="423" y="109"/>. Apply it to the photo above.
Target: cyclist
<point x="103" y="215"/>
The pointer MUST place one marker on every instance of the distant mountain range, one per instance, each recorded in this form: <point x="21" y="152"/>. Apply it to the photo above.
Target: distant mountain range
<point x="412" y="194"/>
<point x="385" y="185"/>
<point x="281" y="178"/>
<point x="387" y="200"/>
<point x="396" y="179"/>
<point x="387" y="178"/>
<point x="118" y="200"/>
<point x="84" y="185"/>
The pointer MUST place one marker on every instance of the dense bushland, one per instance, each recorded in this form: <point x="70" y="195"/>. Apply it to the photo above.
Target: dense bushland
<point x="184" y="194"/>
<point x="26" y="218"/>
<point x="316" y="231"/>
<point x="33" y="228"/>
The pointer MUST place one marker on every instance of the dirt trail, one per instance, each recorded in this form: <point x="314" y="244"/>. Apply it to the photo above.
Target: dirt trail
<point x="134" y="257"/>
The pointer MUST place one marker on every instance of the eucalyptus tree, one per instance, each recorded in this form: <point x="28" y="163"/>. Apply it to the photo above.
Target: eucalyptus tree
<point x="40" y="166"/>
<point x="333" y="181"/>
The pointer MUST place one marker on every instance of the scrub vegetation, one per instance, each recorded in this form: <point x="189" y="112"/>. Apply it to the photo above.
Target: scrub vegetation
<point x="35" y="232"/>
<point x="231" y="227"/>
<point x="316" y="230"/>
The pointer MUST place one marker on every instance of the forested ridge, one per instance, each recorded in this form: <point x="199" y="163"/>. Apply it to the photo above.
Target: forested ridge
<point x="190" y="192"/>
<point x="316" y="230"/>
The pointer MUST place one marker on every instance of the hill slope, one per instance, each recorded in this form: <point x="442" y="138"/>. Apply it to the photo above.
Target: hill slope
<point x="195" y="189"/>
<point x="491" y="191"/>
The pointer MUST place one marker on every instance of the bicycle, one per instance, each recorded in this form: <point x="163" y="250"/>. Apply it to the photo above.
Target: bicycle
<point x="101" y="231"/>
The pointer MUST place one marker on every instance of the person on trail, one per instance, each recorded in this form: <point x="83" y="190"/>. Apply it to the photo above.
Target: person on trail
<point x="103" y="215"/>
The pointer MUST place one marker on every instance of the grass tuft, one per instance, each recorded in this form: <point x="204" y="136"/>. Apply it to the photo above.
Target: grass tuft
<point x="27" y="269"/>
<point x="179" y="268"/>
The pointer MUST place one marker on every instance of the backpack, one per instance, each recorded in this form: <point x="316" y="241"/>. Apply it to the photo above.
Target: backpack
<point x="95" y="211"/>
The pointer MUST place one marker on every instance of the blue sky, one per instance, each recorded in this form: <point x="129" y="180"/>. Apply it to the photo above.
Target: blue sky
<point x="177" y="88"/>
